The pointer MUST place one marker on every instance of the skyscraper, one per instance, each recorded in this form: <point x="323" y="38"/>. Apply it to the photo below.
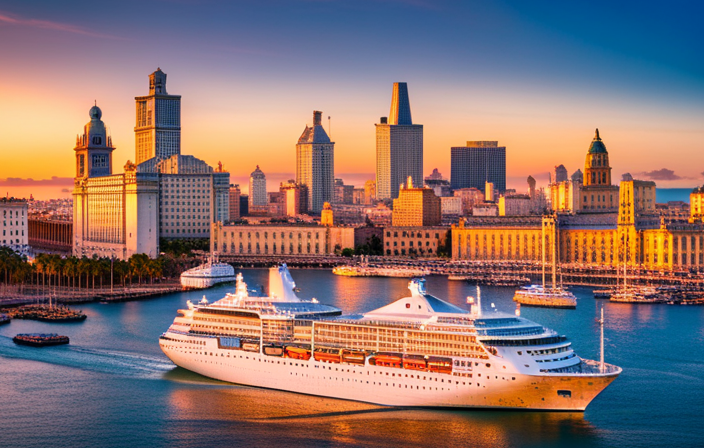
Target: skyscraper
<point x="315" y="164"/>
<point x="479" y="162"/>
<point x="257" y="190"/>
<point x="399" y="146"/>
<point x="158" y="127"/>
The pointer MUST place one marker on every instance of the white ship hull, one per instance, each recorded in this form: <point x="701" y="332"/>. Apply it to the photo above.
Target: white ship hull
<point x="486" y="388"/>
<point x="205" y="282"/>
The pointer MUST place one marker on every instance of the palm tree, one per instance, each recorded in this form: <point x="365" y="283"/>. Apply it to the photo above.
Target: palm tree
<point x="83" y="268"/>
<point x="138" y="263"/>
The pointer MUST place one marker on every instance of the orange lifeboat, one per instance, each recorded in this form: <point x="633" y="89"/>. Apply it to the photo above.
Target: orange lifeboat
<point x="327" y="357"/>
<point x="297" y="353"/>
<point x="353" y="357"/>
<point x="440" y="365"/>
<point x="414" y="363"/>
<point x="388" y="360"/>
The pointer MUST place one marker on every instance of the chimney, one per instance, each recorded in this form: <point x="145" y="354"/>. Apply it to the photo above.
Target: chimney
<point x="383" y="120"/>
<point x="316" y="117"/>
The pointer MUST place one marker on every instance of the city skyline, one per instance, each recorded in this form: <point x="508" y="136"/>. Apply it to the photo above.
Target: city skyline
<point x="540" y="85"/>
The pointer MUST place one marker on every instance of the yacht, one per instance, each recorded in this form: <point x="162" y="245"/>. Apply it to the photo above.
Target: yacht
<point x="208" y="274"/>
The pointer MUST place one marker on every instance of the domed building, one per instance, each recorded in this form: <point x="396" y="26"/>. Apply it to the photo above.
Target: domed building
<point x="597" y="193"/>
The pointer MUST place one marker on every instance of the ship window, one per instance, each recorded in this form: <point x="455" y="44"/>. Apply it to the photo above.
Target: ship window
<point x="408" y="305"/>
<point x="564" y="393"/>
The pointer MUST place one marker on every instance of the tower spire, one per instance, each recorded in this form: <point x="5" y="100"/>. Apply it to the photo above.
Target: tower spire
<point x="596" y="135"/>
<point x="400" y="105"/>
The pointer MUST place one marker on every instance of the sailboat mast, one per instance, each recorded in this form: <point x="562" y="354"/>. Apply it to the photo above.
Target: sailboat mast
<point x="543" y="254"/>
<point x="601" y="322"/>
<point x="554" y="254"/>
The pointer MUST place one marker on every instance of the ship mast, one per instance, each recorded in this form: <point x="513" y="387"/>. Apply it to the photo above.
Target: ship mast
<point x="601" y="323"/>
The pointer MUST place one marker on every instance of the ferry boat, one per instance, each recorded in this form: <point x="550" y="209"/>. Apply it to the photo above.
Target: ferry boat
<point x="40" y="339"/>
<point x="4" y="319"/>
<point x="208" y="274"/>
<point x="416" y="351"/>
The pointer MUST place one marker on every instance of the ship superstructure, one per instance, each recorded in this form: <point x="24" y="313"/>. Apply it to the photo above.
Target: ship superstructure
<point x="416" y="351"/>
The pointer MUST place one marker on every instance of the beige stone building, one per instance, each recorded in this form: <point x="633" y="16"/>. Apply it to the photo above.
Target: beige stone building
<point x="416" y="241"/>
<point x="416" y="207"/>
<point x="277" y="239"/>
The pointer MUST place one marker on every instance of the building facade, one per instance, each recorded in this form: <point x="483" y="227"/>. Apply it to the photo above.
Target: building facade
<point x="315" y="164"/>
<point x="479" y="162"/>
<point x="157" y="130"/>
<point x="257" y="190"/>
<point x="50" y="235"/>
<point x="597" y="193"/>
<point x="414" y="241"/>
<point x="15" y="234"/>
<point x="416" y="207"/>
<point x="280" y="239"/>
<point x="234" y="200"/>
<point x="399" y="146"/>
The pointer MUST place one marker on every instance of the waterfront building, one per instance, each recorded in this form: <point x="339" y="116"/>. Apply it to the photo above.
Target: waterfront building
<point x="49" y="235"/>
<point x="114" y="215"/>
<point x="257" y="192"/>
<point x="414" y="240"/>
<point x="158" y="126"/>
<point x="696" y="205"/>
<point x="416" y="207"/>
<point x="280" y="239"/>
<point x="315" y="164"/>
<point x="635" y="235"/>
<point x="399" y="146"/>
<point x="478" y="162"/>
<point x="597" y="193"/>
<point x="14" y="224"/>
<point x="234" y="200"/>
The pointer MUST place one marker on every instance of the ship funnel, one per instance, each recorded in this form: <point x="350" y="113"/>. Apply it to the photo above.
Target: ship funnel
<point x="281" y="284"/>
<point x="417" y="287"/>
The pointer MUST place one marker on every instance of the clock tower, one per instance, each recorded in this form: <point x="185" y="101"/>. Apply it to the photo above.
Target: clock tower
<point x="94" y="148"/>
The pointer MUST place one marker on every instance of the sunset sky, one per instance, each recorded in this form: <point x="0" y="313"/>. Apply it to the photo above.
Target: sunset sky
<point x="539" y="77"/>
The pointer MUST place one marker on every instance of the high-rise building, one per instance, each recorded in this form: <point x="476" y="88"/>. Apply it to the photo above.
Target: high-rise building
<point x="257" y="190"/>
<point x="315" y="164"/>
<point x="158" y="128"/>
<point x="416" y="207"/>
<point x="369" y="192"/>
<point x="399" y="146"/>
<point x="479" y="162"/>
<point x="234" y="200"/>
<point x="114" y="215"/>
<point x="295" y="198"/>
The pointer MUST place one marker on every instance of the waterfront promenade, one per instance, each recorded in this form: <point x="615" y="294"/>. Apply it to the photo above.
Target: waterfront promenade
<point x="14" y="295"/>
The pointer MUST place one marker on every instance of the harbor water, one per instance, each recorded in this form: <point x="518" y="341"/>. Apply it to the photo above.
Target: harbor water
<point x="112" y="386"/>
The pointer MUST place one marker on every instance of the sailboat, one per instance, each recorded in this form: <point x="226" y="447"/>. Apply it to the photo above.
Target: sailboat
<point x="635" y="294"/>
<point x="550" y="297"/>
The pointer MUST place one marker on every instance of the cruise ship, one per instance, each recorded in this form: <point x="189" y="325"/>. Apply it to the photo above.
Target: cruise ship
<point x="416" y="351"/>
<point x="208" y="274"/>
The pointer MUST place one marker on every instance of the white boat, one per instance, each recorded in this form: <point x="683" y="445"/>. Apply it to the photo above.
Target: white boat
<point x="550" y="297"/>
<point x="208" y="274"/>
<point x="416" y="351"/>
<point x="380" y="271"/>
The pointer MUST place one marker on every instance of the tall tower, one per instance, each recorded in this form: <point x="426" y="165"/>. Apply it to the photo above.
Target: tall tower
<point x="479" y="162"/>
<point x="94" y="148"/>
<point x="257" y="189"/>
<point x="399" y="146"/>
<point x="596" y="167"/>
<point x="158" y="129"/>
<point x="315" y="164"/>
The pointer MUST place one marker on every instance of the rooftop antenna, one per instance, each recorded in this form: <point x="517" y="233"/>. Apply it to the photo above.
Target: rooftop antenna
<point x="329" y="126"/>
